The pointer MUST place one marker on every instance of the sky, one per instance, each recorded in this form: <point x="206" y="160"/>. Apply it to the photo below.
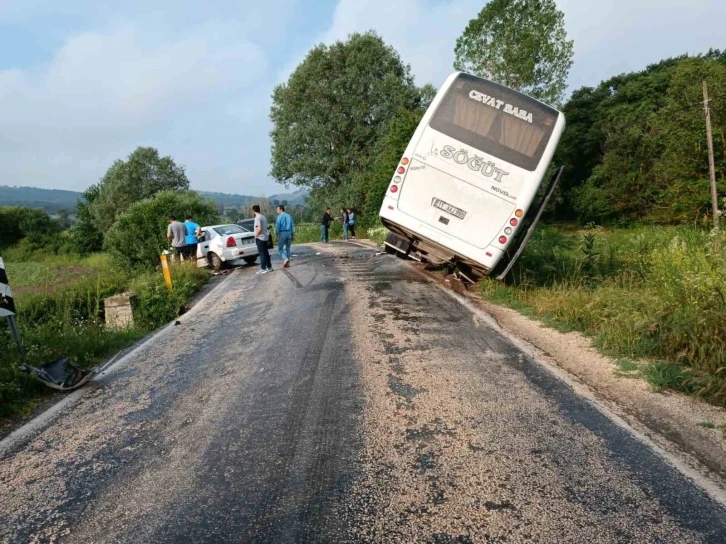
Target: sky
<point x="85" y="82"/>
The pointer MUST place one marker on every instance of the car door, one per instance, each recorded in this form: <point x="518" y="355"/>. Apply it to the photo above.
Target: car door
<point x="203" y="247"/>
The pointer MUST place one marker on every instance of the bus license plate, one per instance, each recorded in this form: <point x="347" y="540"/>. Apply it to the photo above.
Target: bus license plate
<point x="448" y="208"/>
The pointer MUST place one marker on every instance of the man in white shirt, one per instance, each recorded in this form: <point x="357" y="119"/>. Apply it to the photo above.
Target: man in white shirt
<point x="261" y="235"/>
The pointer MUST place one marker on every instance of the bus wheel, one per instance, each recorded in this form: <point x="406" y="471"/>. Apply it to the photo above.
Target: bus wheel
<point x="388" y="249"/>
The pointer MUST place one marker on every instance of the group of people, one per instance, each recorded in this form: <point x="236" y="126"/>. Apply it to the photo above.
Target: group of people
<point x="347" y="219"/>
<point x="183" y="237"/>
<point x="285" y="229"/>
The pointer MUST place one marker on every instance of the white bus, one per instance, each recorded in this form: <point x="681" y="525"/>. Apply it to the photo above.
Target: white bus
<point x="469" y="176"/>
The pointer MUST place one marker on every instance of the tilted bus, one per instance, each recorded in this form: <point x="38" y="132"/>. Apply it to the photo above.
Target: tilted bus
<point x="469" y="175"/>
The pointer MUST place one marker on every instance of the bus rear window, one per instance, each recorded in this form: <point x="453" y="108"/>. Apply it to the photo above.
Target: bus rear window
<point x="496" y="120"/>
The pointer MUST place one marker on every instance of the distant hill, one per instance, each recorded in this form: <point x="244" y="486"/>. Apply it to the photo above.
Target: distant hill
<point x="293" y="199"/>
<point x="52" y="200"/>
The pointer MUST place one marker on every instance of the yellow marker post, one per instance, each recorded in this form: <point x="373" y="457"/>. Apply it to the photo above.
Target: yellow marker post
<point x="165" y="270"/>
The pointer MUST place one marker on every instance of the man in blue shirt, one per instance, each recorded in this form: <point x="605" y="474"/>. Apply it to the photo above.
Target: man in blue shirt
<point x="192" y="237"/>
<point x="285" y="229"/>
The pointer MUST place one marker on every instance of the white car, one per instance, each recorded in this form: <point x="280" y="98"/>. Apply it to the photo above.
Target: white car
<point x="226" y="244"/>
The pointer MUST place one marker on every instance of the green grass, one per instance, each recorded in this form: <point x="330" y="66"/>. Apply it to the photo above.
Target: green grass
<point x="60" y="313"/>
<point x="652" y="293"/>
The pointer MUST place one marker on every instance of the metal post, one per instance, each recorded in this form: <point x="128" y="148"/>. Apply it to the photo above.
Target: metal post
<point x="711" y="167"/>
<point x="165" y="270"/>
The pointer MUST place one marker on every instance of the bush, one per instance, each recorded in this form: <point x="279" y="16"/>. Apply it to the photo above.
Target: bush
<point x="18" y="223"/>
<point x="138" y="237"/>
<point x="155" y="305"/>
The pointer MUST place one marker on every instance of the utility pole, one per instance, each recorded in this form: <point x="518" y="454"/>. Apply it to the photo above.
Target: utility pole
<point x="711" y="166"/>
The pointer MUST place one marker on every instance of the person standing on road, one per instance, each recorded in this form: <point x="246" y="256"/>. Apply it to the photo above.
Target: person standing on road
<point x="344" y="221"/>
<point x="325" y="226"/>
<point x="176" y="234"/>
<point x="192" y="237"/>
<point x="351" y="222"/>
<point x="261" y="235"/>
<point x="285" y="229"/>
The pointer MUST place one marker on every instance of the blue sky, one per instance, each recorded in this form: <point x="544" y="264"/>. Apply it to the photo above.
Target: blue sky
<point x="85" y="82"/>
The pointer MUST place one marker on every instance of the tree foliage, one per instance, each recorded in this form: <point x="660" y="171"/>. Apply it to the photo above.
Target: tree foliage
<point x="138" y="237"/>
<point x="374" y="181"/>
<point x="143" y="174"/>
<point x="521" y="44"/>
<point x="18" y="223"/>
<point x="87" y="238"/>
<point x="330" y="114"/>
<point x="635" y="146"/>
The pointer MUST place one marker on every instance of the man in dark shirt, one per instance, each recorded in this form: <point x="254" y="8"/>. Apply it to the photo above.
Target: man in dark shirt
<point x="325" y="226"/>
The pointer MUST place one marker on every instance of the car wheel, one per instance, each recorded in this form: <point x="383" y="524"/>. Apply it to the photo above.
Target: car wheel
<point x="215" y="261"/>
<point x="251" y="260"/>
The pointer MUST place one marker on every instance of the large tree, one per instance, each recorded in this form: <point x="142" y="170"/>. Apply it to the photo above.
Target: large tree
<point x="143" y="174"/>
<point x="635" y="146"/>
<point x="330" y="114"/>
<point x="521" y="44"/>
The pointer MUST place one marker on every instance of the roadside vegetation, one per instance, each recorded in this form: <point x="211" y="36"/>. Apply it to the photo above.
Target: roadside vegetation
<point x="655" y="294"/>
<point x="60" y="309"/>
<point x="61" y="277"/>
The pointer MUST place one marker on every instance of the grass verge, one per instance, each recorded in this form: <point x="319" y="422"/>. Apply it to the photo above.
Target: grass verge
<point x="652" y="293"/>
<point x="62" y="314"/>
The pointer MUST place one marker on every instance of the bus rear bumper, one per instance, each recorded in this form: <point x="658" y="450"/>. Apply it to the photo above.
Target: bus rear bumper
<point x="436" y="247"/>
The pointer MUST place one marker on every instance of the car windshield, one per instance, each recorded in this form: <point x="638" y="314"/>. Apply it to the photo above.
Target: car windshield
<point x="226" y="230"/>
<point x="247" y="224"/>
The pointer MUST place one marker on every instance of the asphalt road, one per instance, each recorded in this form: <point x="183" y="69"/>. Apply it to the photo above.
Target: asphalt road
<point x="345" y="399"/>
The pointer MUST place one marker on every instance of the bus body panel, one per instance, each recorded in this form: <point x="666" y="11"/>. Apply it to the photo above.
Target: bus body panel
<point x="456" y="200"/>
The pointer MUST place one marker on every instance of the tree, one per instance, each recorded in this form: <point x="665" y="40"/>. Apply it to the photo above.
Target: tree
<point x="521" y="44"/>
<point x="635" y="146"/>
<point x="143" y="174"/>
<point x="84" y="234"/>
<point x="18" y="223"/>
<point x="138" y="237"/>
<point x="336" y="105"/>
<point x="374" y="181"/>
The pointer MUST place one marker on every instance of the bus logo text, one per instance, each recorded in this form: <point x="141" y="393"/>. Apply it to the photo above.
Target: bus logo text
<point x="496" y="103"/>
<point x="488" y="169"/>
<point x="500" y="191"/>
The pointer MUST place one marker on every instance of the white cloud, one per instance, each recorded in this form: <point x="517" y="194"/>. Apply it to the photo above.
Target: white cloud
<point x="423" y="32"/>
<point x="106" y="91"/>
<point x="195" y="81"/>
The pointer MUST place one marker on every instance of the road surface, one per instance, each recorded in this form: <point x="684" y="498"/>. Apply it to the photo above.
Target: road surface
<point x="345" y="399"/>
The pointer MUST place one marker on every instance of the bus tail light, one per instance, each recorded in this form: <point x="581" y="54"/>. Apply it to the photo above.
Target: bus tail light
<point x="513" y="221"/>
<point x="502" y="239"/>
<point x="401" y="170"/>
<point x="394" y="188"/>
<point x="404" y="161"/>
<point x="397" y="179"/>
<point x="231" y="242"/>
<point x="519" y="213"/>
<point x="508" y="231"/>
